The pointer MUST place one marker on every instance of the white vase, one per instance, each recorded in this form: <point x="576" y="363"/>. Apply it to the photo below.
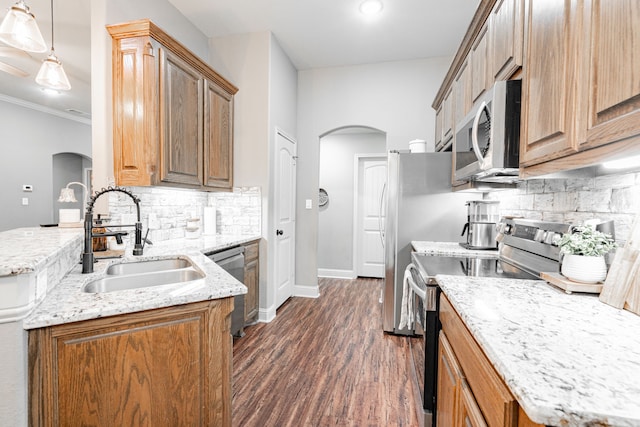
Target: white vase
<point x="584" y="269"/>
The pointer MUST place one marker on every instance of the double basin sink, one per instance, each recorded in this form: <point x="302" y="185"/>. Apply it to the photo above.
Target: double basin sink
<point x="143" y="274"/>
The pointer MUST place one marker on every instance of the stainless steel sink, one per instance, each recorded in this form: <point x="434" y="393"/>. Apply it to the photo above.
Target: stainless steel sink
<point x="142" y="280"/>
<point x="148" y="266"/>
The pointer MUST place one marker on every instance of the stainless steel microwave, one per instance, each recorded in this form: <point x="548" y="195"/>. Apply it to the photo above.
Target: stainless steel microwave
<point x="487" y="140"/>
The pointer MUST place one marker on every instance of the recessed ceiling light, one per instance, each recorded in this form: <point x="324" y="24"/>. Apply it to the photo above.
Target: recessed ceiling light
<point x="371" y="7"/>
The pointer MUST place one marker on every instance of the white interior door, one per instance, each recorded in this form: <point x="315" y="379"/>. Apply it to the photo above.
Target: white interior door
<point x="372" y="174"/>
<point x="285" y="199"/>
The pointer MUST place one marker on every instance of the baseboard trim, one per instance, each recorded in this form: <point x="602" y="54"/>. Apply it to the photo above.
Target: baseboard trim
<point x="336" y="274"/>
<point x="266" y="315"/>
<point x="306" y="291"/>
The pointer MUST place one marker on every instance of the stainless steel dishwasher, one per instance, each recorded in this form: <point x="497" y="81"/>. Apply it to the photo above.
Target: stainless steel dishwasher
<point x="232" y="261"/>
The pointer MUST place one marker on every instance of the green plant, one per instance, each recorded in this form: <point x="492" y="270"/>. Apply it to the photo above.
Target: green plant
<point x="585" y="240"/>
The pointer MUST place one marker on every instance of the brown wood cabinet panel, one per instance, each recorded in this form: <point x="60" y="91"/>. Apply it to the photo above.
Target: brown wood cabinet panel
<point x="550" y="73"/>
<point x="218" y="137"/>
<point x="496" y="402"/>
<point x="169" y="366"/>
<point x="251" y="281"/>
<point x="449" y="379"/>
<point x="613" y="90"/>
<point x="181" y="114"/>
<point x="462" y="93"/>
<point x="480" y="59"/>
<point x="168" y="138"/>
<point x="506" y="27"/>
<point x="470" y="413"/>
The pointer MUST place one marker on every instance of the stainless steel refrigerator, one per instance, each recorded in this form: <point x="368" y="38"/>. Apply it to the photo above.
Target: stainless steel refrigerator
<point x="419" y="206"/>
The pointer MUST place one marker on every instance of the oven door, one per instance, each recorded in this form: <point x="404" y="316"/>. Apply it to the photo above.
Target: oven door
<point x="424" y="349"/>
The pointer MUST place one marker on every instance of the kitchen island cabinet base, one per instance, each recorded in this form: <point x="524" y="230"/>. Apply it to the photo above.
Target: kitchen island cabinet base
<point x="169" y="366"/>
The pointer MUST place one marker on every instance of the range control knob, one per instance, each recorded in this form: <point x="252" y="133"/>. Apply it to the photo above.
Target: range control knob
<point x="552" y="238"/>
<point x="540" y="235"/>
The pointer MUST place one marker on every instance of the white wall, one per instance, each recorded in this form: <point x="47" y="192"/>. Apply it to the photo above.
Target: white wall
<point x="335" y="220"/>
<point x="266" y="100"/>
<point x="28" y="144"/>
<point x="394" y="97"/>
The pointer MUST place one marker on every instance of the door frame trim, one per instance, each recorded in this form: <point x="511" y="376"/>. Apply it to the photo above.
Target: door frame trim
<point x="356" y="206"/>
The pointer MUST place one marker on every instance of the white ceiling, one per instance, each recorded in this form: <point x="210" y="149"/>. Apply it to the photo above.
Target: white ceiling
<point x="314" y="33"/>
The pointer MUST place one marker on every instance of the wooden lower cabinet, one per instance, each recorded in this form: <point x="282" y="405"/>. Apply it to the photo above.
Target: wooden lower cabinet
<point x="165" y="367"/>
<point x="480" y="397"/>
<point x="251" y="281"/>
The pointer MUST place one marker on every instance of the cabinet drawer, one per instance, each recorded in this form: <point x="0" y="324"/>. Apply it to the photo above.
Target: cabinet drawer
<point x="251" y="251"/>
<point x="496" y="402"/>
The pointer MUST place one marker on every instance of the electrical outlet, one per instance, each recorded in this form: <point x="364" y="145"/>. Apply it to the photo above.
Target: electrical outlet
<point x="25" y="201"/>
<point x="307" y="204"/>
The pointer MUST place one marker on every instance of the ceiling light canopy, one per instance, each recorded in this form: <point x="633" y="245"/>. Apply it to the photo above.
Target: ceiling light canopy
<point x="19" y="29"/>
<point x="371" y="7"/>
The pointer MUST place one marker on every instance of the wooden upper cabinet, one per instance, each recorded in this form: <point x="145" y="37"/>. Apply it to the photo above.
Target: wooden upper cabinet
<point x="506" y="35"/>
<point x="480" y="58"/>
<point x="173" y="114"/>
<point x="550" y="74"/>
<point x="462" y="93"/>
<point x="444" y="123"/>
<point x="613" y="90"/>
<point x="181" y="152"/>
<point x="218" y="136"/>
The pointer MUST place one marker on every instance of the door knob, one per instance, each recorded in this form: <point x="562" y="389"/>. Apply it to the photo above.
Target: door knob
<point x="279" y="232"/>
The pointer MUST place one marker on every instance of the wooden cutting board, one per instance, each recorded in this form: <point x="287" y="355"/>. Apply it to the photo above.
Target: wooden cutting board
<point x="622" y="286"/>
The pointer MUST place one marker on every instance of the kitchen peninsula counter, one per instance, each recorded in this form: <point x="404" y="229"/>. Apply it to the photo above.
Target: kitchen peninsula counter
<point x="66" y="302"/>
<point x="570" y="360"/>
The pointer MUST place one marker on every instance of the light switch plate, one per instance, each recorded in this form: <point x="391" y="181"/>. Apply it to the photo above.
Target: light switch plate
<point x="307" y="204"/>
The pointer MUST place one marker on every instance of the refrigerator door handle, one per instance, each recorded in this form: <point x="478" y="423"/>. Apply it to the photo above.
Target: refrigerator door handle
<point x="380" y="222"/>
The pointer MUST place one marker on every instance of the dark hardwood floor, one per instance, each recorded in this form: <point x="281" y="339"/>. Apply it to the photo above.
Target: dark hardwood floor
<point x="324" y="362"/>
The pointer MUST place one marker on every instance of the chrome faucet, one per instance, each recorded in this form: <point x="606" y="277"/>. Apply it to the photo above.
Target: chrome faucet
<point x="87" y="255"/>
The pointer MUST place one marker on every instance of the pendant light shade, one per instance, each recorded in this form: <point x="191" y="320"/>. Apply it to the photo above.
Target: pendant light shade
<point x="51" y="73"/>
<point x="19" y="29"/>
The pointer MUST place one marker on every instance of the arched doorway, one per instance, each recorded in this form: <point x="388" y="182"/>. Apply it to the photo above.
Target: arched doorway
<point x="345" y="154"/>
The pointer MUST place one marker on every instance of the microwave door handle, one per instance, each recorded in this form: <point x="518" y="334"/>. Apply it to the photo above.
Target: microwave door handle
<point x="474" y="134"/>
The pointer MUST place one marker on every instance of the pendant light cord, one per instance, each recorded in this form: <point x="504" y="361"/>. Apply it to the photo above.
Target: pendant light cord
<point x="52" y="26"/>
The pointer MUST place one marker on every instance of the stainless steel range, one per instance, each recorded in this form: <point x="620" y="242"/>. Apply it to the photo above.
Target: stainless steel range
<point x="525" y="248"/>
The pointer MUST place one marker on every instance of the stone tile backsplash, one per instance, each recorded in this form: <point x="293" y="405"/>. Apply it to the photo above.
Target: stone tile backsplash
<point x="166" y="211"/>
<point x="575" y="200"/>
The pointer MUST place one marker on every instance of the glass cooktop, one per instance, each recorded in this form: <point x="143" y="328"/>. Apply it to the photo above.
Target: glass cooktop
<point x="430" y="265"/>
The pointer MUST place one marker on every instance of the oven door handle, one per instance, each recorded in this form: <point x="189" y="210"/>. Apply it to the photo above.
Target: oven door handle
<point x="414" y="286"/>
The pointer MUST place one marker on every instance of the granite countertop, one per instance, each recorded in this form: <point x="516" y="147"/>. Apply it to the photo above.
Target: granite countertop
<point x="66" y="302"/>
<point x="569" y="360"/>
<point x="25" y="250"/>
<point x="450" y="248"/>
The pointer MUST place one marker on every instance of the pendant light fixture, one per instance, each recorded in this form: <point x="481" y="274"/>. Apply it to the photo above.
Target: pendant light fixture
<point x="51" y="73"/>
<point x="20" y="30"/>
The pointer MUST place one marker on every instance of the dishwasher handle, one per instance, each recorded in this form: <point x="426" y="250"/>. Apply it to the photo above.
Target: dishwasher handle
<point x="221" y="255"/>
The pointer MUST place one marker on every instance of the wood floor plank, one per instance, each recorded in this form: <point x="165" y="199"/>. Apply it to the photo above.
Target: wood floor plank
<point x="324" y="362"/>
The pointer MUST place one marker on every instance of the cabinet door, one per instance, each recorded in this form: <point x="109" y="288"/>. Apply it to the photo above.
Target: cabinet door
<point x="170" y="366"/>
<point x="181" y="149"/>
<point x="470" y="413"/>
<point x="614" y="82"/>
<point x="462" y="93"/>
<point x="252" y="282"/>
<point x="550" y="75"/>
<point x="218" y="137"/>
<point x="449" y="378"/>
<point x="480" y="58"/>
<point x="447" y="118"/>
<point x="439" y="142"/>
<point x="507" y="38"/>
